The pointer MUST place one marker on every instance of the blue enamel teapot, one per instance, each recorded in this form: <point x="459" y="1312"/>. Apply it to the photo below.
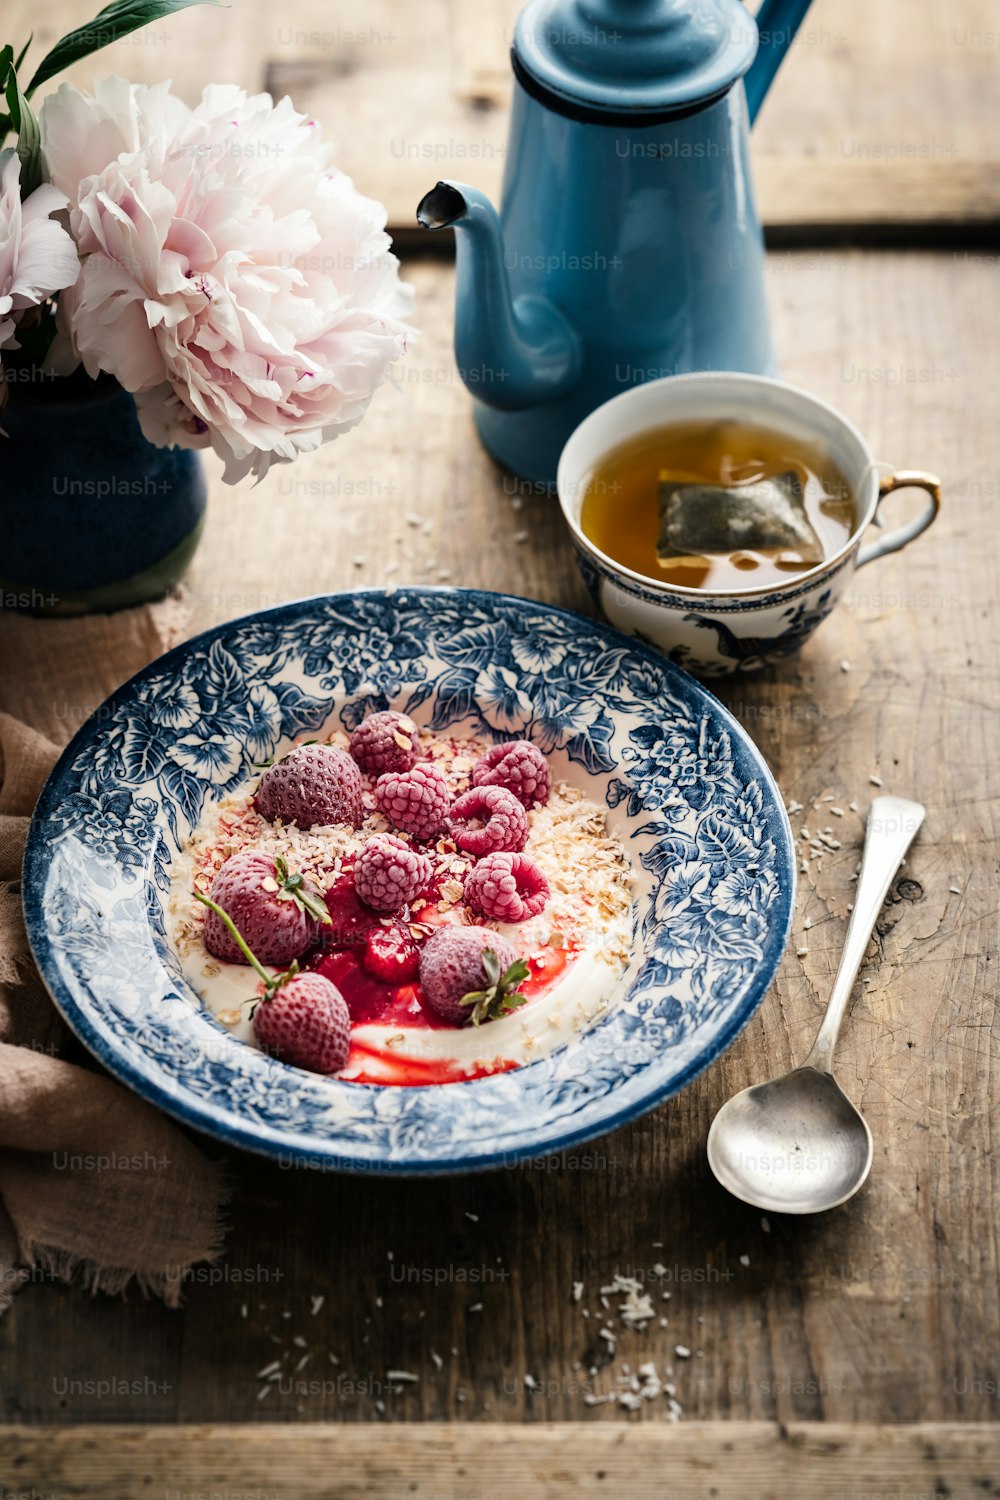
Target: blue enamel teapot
<point x="628" y="245"/>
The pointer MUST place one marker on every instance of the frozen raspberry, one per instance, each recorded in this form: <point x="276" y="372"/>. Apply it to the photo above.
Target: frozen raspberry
<point x="388" y="873"/>
<point x="385" y="742"/>
<point x="519" y="766"/>
<point x="274" y="911"/>
<point x="416" y="801"/>
<point x="470" y="974"/>
<point x="313" y="784"/>
<point x="305" y="1022"/>
<point x="391" y="954"/>
<point x="488" y="818"/>
<point x="506" y="888"/>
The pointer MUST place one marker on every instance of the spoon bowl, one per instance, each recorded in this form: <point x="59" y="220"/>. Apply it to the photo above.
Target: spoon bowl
<point x="796" y="1145"/>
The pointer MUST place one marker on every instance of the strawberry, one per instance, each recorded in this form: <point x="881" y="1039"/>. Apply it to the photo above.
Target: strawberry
<point x="314" y="784"/>
<point x="470" y="974"/>
<point x="305" y="1023"/>
<point x="274" y="909"/>
<point x="301" y="1019"/>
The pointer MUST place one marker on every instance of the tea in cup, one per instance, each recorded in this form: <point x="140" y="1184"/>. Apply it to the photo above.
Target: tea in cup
<point x="719" y="516"/>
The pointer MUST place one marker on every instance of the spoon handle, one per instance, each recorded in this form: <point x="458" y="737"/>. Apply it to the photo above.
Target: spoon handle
<point x="892" y="827"/>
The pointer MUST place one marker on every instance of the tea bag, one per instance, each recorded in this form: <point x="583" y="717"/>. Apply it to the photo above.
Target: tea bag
<point x="766" y="516"/>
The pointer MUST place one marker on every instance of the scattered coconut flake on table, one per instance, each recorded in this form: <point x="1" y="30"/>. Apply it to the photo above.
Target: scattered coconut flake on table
<point x="632" y="1389"/>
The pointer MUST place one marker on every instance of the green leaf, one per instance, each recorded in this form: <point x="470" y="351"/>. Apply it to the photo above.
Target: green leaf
<point x="109" y="25"/>
<point x="491" y="965"/>
<point x="502" y="995"/>
<point x="29" y="140"/>
<point x="21" y="55"/>
<point x="6" y="62"/>
<point x="294" y="888"/>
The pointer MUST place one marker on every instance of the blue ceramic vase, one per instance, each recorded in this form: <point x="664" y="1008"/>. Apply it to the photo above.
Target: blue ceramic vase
<point x="92" y="515"/>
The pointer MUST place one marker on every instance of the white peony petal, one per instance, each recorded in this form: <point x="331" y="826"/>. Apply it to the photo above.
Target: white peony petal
<point x="37" y="256"/>
<point x="232" y="278"/>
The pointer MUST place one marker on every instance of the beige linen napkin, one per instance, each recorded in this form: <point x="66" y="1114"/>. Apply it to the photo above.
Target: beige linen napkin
<point x="95" y="1185"/>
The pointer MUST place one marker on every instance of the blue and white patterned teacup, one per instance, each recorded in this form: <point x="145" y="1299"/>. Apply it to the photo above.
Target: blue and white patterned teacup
<point x="712" y="632"/>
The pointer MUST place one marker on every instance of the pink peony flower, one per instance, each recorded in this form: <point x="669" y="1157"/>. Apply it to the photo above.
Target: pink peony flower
<point x="37" y="256"/>
<point x="232" y="278"/>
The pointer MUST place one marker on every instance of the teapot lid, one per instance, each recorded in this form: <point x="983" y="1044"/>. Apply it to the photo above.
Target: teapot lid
<point x="632" y="58"/>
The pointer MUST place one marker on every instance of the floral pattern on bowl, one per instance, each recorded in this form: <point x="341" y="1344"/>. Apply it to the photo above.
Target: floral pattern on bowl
<point x="685" y="789"/>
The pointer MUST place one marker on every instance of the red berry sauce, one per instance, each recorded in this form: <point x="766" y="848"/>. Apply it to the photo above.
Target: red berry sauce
<point x="378" y="1002"/>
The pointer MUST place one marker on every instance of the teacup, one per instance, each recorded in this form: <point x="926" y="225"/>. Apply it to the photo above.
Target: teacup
<point x="716" y="631"/>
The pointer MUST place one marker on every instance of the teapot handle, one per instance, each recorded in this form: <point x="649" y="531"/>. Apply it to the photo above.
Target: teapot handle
<point x="777" y="23"/>
<point x="904" y="479"/>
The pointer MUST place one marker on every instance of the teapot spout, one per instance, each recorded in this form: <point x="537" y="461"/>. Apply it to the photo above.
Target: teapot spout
<point x="777" y="22"/>
<point x="511" y="352"/>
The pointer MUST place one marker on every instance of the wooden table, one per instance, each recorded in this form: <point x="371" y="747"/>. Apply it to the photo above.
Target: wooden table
<point x="856" y="1353"/>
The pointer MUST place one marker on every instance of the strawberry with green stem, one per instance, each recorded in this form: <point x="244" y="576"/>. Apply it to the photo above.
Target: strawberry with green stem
<point x="274" y="908"/>
<point x="502" y="994"/>
<point x="470" y="974"/>
<point x="301" y="1019"/>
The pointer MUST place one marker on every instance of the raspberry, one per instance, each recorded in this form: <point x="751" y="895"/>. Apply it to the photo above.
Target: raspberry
<point x="506" y="888"/>
<point x="269" y="908"/>
<point x="453" y="965"/>
<point x="519" y="766"/>
<point x="384" y="742"/>
<point x="488" y="818"/>
<point x="313" y="784"/>
<point x="388" y="873"/>
<point x="305" y="1023"/>
<point x="391" y="954"/>
<point x="416" y="801"/>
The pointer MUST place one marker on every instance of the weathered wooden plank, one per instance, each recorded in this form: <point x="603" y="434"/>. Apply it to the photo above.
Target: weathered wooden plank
<point x="876" y="119"/>
<point x="724" y="1461"/>
<point x="879" y="117"/>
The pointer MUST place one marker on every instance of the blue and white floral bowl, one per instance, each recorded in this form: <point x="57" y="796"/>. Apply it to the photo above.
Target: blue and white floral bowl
<point x="686" y="791"/>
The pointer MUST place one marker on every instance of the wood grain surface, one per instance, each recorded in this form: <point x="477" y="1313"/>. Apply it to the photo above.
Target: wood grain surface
<point x="695" y="1461"/>
<point x="877" y="122"/>
<point x="884" y="1311"/>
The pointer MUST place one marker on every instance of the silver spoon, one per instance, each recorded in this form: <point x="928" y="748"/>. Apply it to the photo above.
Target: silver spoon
<point x="797" y="1145"/>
